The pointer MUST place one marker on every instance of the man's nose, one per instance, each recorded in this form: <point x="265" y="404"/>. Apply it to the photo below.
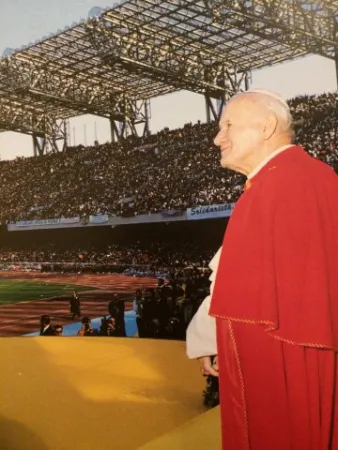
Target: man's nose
<point x="217" y="140"/>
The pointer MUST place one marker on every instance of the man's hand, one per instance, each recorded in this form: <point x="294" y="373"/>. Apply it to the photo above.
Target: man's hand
<point x="208" y="366"/>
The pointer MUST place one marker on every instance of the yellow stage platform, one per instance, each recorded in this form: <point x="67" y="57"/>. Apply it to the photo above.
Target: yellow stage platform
<point x="101" y="394"/>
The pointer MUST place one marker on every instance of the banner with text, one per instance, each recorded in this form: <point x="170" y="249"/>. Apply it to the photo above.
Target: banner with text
<point x="210" y="211"/>
<point x="69" y="220"/>
<point x="102" y="218"/>
<point x="37" y="223"/>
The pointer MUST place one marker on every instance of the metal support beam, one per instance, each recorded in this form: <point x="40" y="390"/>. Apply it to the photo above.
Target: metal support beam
<point x="21" y="118"/>
<point x="135" y="113"/>
<point x="211" y="113"/>
<point x="231" y="83"/>
<point x="59" y="91"/>
<point x="117" y="130"/>
<point x="39" y="144"/>
<point x="58" y="136"/>
<point x="54" y="141"/>
<point x="140" y="49"/>
<point x="113" y="130"/>
<point x="299" y="24"/>
<point x="147" y="114"/>
<point x="140" y="52"/>
<point x="247" y="81"/>
<point x="48" y="134"/>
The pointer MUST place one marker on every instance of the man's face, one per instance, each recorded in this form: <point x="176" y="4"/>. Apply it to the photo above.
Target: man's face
<point x="240" y="134"/>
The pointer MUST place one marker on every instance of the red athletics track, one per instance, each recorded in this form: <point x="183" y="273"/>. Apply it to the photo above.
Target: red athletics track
<point x="23" y="318"/>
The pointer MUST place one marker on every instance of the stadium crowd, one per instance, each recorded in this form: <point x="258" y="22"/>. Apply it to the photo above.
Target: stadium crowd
<point x="140" y="258"/>
<point x="169" y="170"/>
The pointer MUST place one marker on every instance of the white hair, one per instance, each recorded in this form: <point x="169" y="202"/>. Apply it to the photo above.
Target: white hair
<point x="275" y="103"/>
<point x="272" y="94"/>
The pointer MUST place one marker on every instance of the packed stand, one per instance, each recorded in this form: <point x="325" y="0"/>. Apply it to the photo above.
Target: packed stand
<point x="169" y="170"/>
<point x="128" y="178"/>
<point x="138" y="259"/>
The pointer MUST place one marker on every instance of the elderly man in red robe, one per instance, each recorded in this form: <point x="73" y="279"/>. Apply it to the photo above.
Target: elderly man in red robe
<point x="272" y="317"/>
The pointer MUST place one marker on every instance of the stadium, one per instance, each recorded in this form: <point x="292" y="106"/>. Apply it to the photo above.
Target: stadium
<point x="94" y="231"/>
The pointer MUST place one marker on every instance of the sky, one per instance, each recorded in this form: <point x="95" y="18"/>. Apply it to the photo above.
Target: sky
<point x="24" y="21"/>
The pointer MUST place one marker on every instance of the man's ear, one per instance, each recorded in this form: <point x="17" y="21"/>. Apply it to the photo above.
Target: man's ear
<point x="270" y="126"/>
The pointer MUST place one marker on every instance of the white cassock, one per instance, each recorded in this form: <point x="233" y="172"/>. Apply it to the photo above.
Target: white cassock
<point x="201" y="332"/>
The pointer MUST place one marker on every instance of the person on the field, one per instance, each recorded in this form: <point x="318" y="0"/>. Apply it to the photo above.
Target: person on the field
<point x="87" y="329"/>
<point x="46" y="328"/>
<point x="75" y="305"/>
<point x="58" y="330"/>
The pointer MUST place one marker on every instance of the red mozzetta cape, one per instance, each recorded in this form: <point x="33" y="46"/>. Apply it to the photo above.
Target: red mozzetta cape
<point x="279" y="262"/>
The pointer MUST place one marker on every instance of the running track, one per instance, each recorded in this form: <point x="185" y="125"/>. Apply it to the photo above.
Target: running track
<point x="23" y="318"/>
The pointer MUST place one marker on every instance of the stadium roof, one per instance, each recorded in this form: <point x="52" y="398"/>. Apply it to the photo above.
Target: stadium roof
<point x="145" y="48"/>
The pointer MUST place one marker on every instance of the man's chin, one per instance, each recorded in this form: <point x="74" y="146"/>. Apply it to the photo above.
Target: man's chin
<point x="225" y="163"/>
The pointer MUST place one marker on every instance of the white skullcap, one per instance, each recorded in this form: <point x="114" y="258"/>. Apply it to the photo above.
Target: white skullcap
<point x="269" y="94"/>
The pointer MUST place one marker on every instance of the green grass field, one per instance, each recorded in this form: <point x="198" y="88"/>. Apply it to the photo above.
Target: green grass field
<point x="14" y="291"/>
